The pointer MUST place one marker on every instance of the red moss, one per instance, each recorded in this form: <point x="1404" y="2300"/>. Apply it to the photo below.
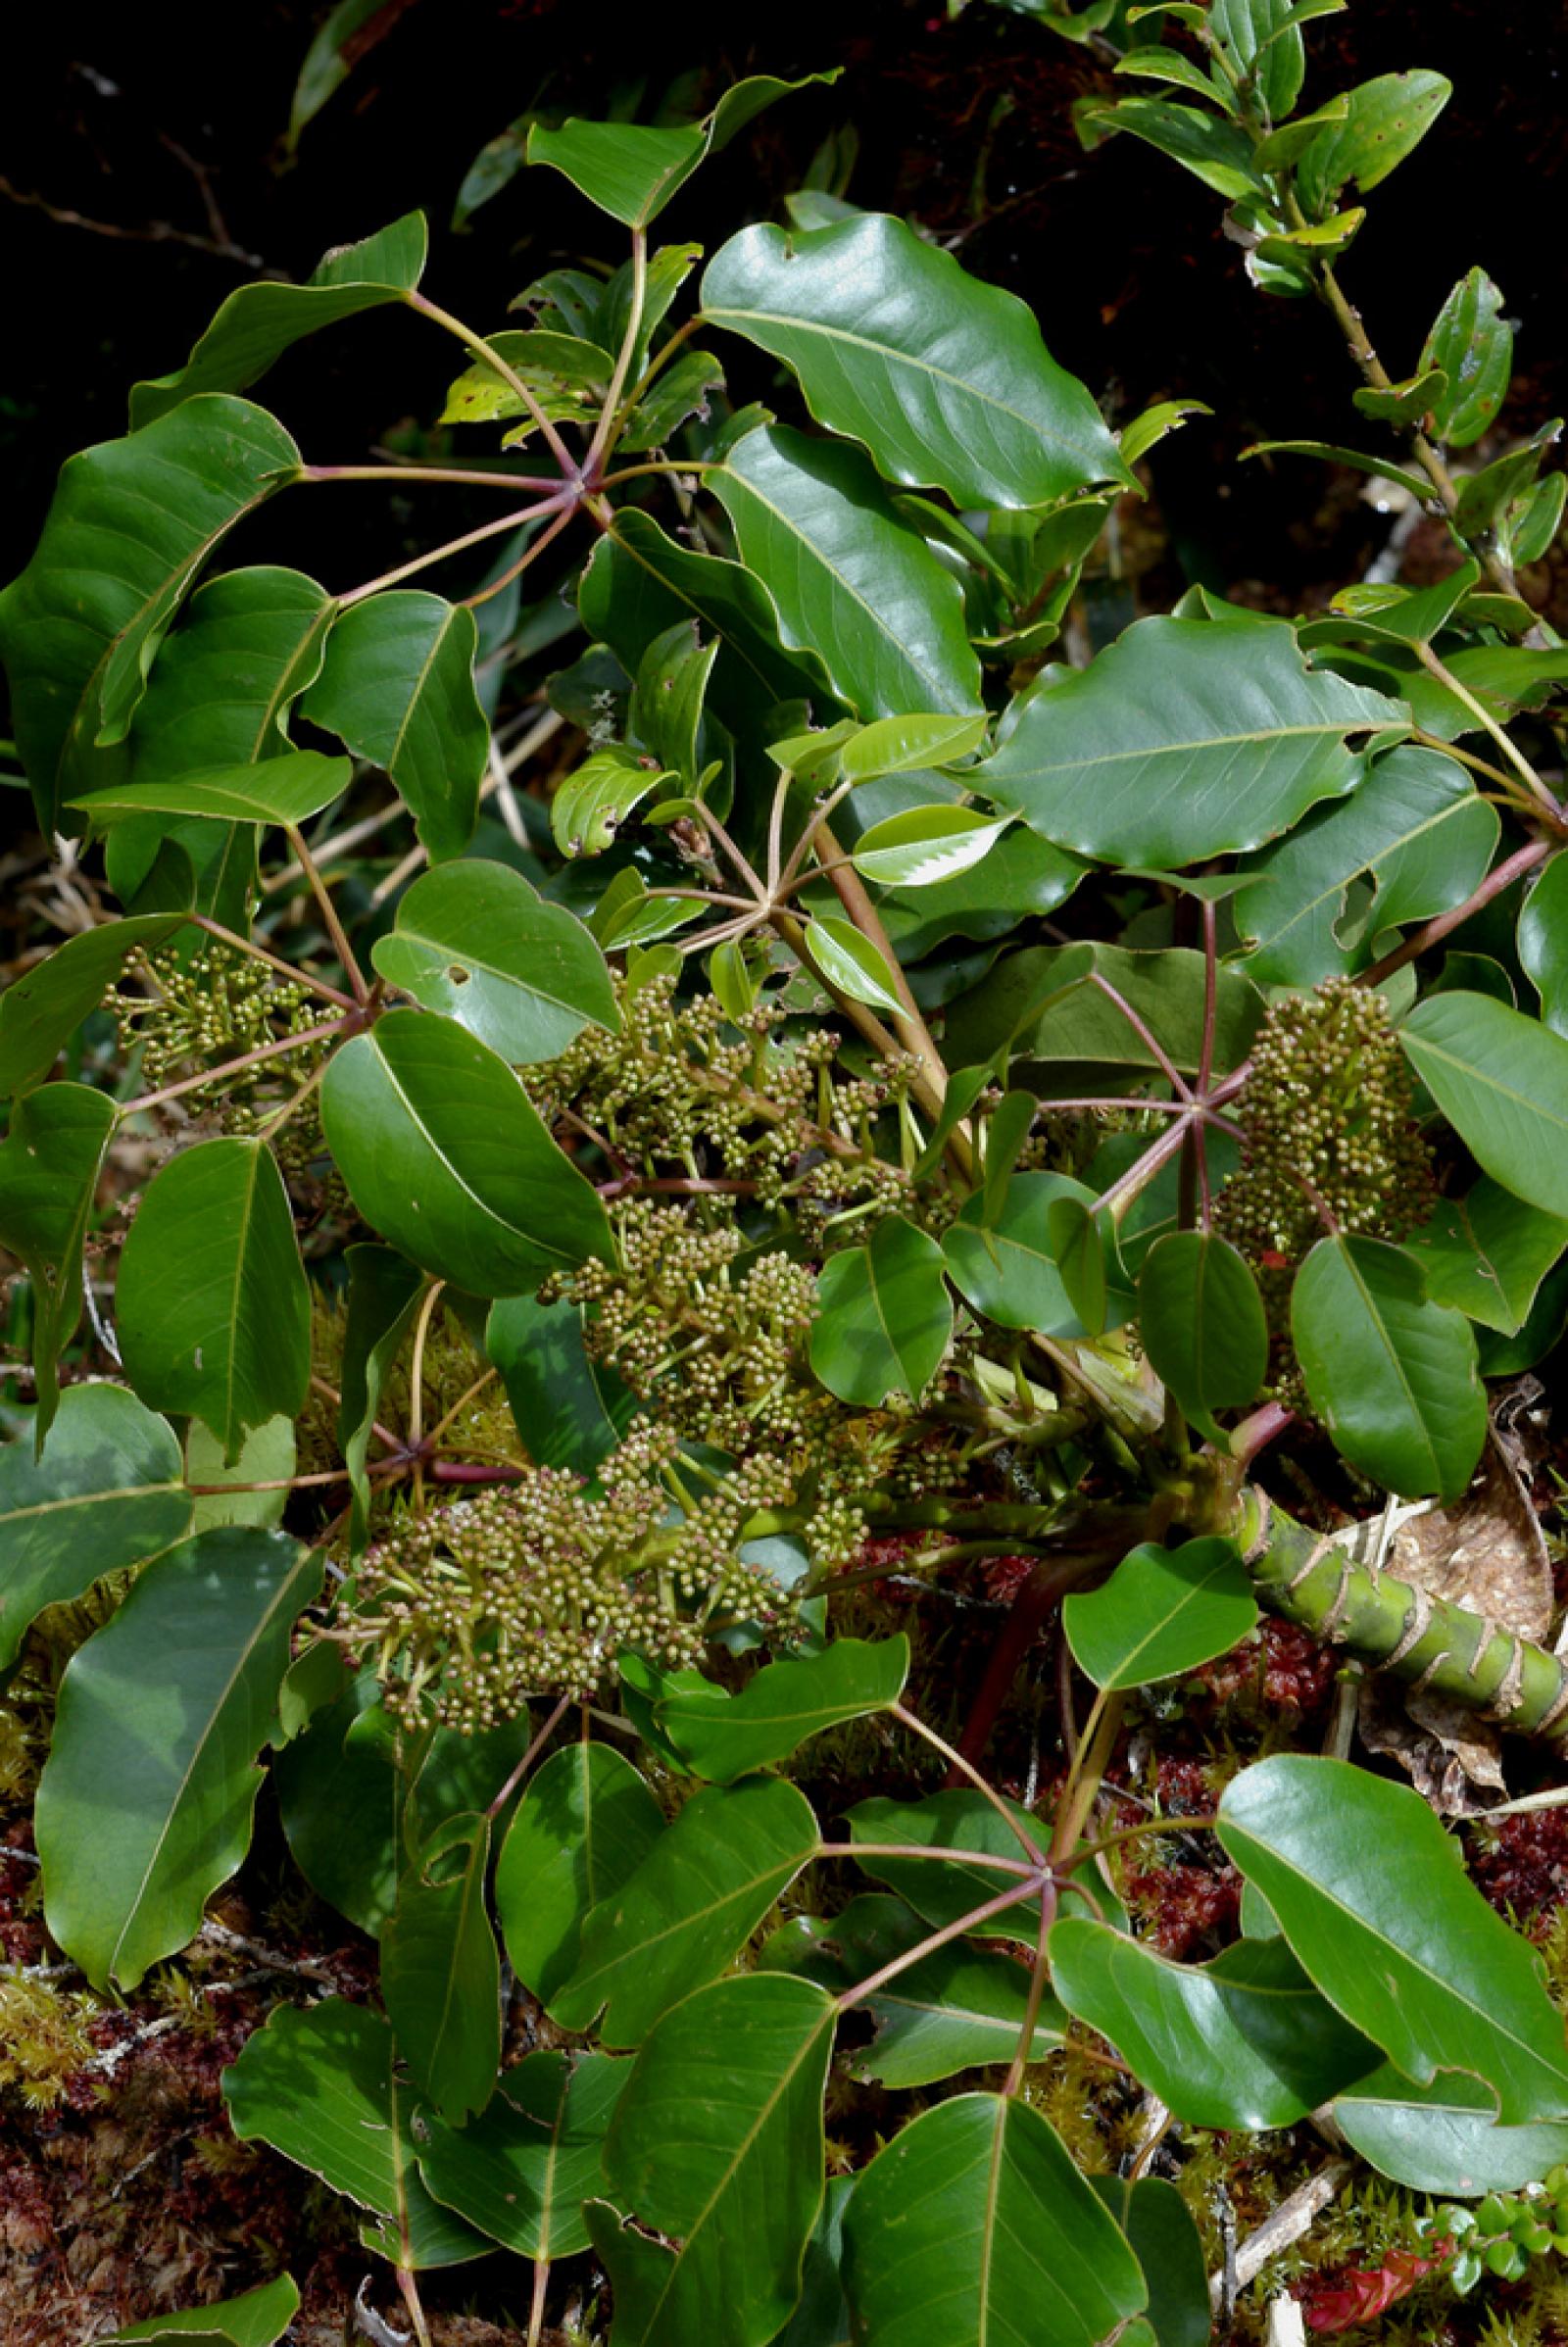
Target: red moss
<point x="1523" y="1869"/>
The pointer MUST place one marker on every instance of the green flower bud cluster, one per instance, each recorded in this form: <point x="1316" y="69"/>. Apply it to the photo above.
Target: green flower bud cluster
<point x="214" y="1004"/>
<point x="537" y="1588"/>
<point x="1499" y="2237"/>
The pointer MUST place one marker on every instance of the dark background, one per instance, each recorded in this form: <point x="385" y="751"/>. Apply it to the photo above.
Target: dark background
<point x="164" y="124"/>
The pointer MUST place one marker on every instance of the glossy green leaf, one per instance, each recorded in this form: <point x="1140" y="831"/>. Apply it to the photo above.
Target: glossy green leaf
<point x="724" y="1736"/>
<point x="267" y="1455"/>
<point x="631" y="169"/>
<point x="349" y="29"/>
<point x="384" y="1294"/>
<point x="440" y="1973"/>
<point x="957" y="2009"/>
<point x="850" y="964"/>
<point x="1501" y="1080"/>
<point x="40" y="1011"/>
<point x="822" y="2319"/>
<point x="1182" y="741"/>
<point x="704" y="1885"/>
<point x="945" y="379"/>
<point x="1370" y="1892"/>
<point x="257" y="2319"/>
<point x="1473" y="343"/>
<point x="1169" y="2248"/>
<point x="666" y="708"/>
<point x="289" y="789"/>
<point x="566" y="375"/>
<point x="1391" y="1375"/>
<point x="1445" y="2137"/>
<point x="1486" y="1253"/>
<point x="593" y="802"/>
<point x="677" y="395"/>
<point x="739" y="2184"/>
<point x="1079" y="1242"/>
<point x="1378" y="469"/>
<point x="902" y="744"/>
<point x="1046" y="1004"/>
<point x="942" y="1890"/>
<point x="1163" y="1612"/>
<point x="106" y="1490"/>
<point x="973" y="2228"/>
<point x="584" y="1826"/>
<point x="1263" y="40"/>
<point x="1544" y="943"/>
<point x="1246" y="2041"/>
<point x="1216" y="152"/>
<point x="144" y="1805"/>
<point x="397" y="686"/>
<point x="477" y="941"/>
<point x="445" y="1156"/>
<point x="1158" y="64"/>
<point x="852" y="581"/>
<point x="884" y="1319"/>
<point x="925" y="845"/>
<point x="1203" y="1324"/>
<point x="50" y="1162"/>
<point x="1010" y="1271"/>
<point x="249" y="643"/>
<point x="521" y="2171"/>
<point x="319" y="2083"/>
<point x="1385" y="121"/>
<point x="571" y="1410"/>
<point x="213" y="1302"/>
<point x="132" y="523"/>
<point x="257" y="322"/>
<point x="1415" y="830"/>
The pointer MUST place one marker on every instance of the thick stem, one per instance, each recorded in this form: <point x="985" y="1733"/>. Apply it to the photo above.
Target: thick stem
<point x="536" y="2307"/>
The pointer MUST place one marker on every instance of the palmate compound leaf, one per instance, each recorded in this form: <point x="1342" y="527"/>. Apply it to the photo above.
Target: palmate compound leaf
<point x="440" y="1973"/>
<point x="974" y="2229"/>
<point x="107" y="1490"/>
<point x="1392" y="1376"/>
<point x="320" y="2086"/>
<point x="1244" y="2041"/>
<point x="477" y="941"/>
<point x="145" y="1802"/>
<point x="50" y="1161"/>
<point x="523" y="2170"/>
<point x="132" y="523"/>
<point x="724" y="1736"/>
<point x="583" y="1828"/>
<point x="945" y="379"/>
<point x="717" y="2141"/>
<point x="1163" y="1612"/>
<point x="1501" y="1080"/>
<point x="1372" y="1897"/>
<point x="445" y="1155"/>
<point x="213" y="1300"/>
<point x="1184" y="741"/>
<point x="705" y="1885"/>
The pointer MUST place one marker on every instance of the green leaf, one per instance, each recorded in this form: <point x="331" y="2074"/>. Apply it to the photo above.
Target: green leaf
<point x="384" y="1294"/>
<point x="1380" y="468"/>
<point x="477" y="941"/>
<point x="568" y="377"/>
<point x="1244" y="2041"/>
<point x="259" y="2318"/>
<point x="259" y="323"/>
<point x="739" y="2184"/>
<point x="349" y="30"/>
<point x="1183" y="741"/>
<point x="1405" y="406"/>
<point x="1370" y="1892"/>
<point x="1172" y="64"/>
<point x="132" y="523"/>
<point x="281" y="790"/>
<point x="1080" y="1244"/>
<point x="397" y="686"/>
<point x="1391" y="1376"/>
<point x="319" y="2084"/>
<point x="944" y="380"/>
<point x="849" y="962"/>
<point x="679" y="393"/>
<point x="590" y="806"/>
<point x="1045" y="1004"/>
<point x="1414" y="829"/>
<point x="1009" y="1270"/>
<point x="267" y="1456"/>
<point x="822" y="2319"/>
<point x="1168" y="2246"/>
<point x="1544" y="943"/>
<point x="212" y="1302"/>
<point x="944" y="1889"/>
<point x="957" y="2009"/>
<point x="925" y="845"/>
<point x="1444" y="2137"/>
<point x="1213" y="151"/>
<point x="724" y="1736"/>
<point x="144" y="1805"/>
<point x="445" y="1155"/>
<point x="523" y="2170"/>
<point x="884" y="1319"/>
<point x="665" y="711"/>
<point x="42" y="1012"/>
<point x="104" y="1492"/>
<point x="974" y="2226"/>
<point x="227" y="677"/>
<point x="570" y="1409"/>
<point x="1385" y="121"/>
<point x="1263" y="40"/>
<point x="440" y="1973"/>
<point x="852" y="580"/>
<point x="1472" y="342"/>
<point x="1501" y="1080"/>
<point x="1486" y="1253"/>
<point x="1203" y="1324"/>
<point x="704" y="1885"/>
<point x="583" y="1828"/>
<point x="905" y="743"/>
<point x="1162" y="1613"/>
<point x="50" y="1161"/>
<point x="631" y="169"/>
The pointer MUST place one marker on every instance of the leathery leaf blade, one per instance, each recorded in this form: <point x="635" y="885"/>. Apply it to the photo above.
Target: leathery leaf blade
<point x="583" y="1828"/>
<point x="724" y="1735"/>
<point x="521" y="2171"/>
<point x="440" y="1973"/>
